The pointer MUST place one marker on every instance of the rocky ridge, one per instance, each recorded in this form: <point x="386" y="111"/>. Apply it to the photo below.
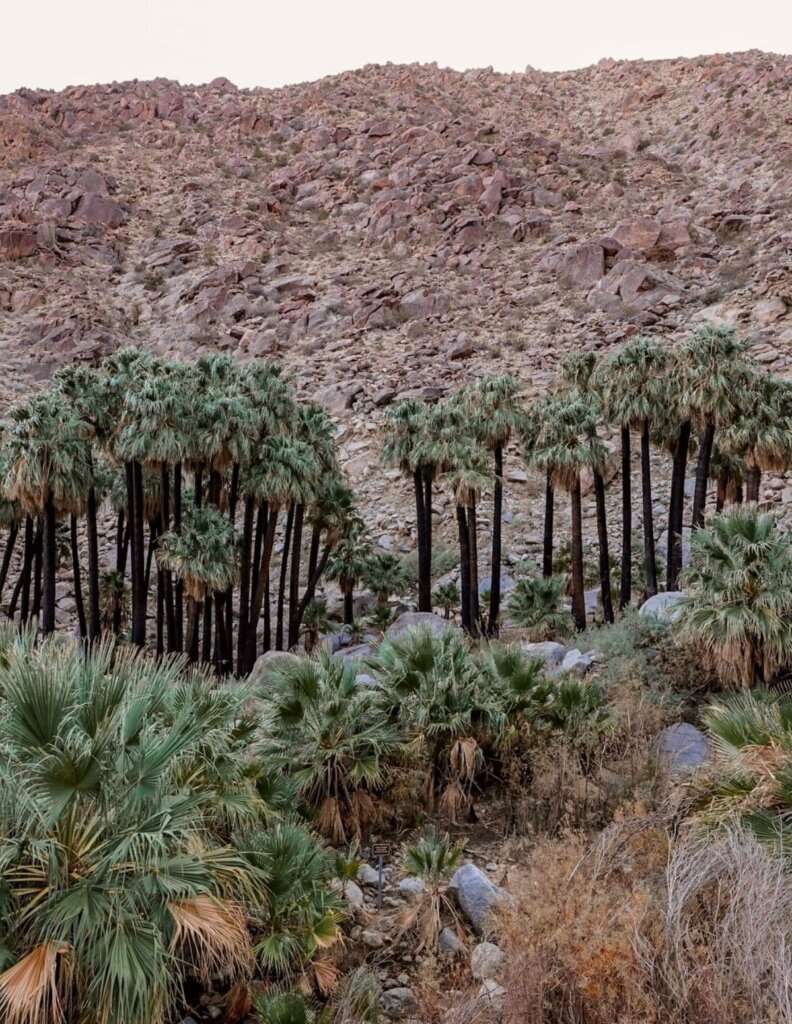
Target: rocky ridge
<point x="398" y="230"/>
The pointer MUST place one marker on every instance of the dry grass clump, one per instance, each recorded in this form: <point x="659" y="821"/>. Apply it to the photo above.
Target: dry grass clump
<point x="642" y="929"/>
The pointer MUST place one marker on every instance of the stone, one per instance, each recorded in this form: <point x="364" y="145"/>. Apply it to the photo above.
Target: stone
<point x="767" y="311"/>
<point x="548" y="651"/>
<point x="265" y="663"/>
<point x="640" y="234"/>
<point x="492" y="993"/>
<point x="368" y="875"/>
<point x="353" y="894"/>
<point x="506" y="582"/>
<point x="372" y="938"/>
<point x="17" y="243"/>
<point x="486" y="959"/>
<point x="398" y="1000"/>
<point x="462" y="348"/>
<point x="450" y="942"/>
<point x="577" y="662"/>
<point x="99" y="210"/>
<point x="425" y="620"/>
<point x="583" y="266"/>
<point x="365" y="681"/>
<point x="663" y="606"/>
<point x="476" y="895"/>
<point x="411" y="888"/>
<point x="337" y="398"/>
<point x="682" y="748"/>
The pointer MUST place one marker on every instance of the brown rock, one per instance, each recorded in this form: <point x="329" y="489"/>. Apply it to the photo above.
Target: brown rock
<point x="99" y="210"/>
<point x="583" y="266"/>
<point x="640" y="234"/>
<point x="17" y="243"/>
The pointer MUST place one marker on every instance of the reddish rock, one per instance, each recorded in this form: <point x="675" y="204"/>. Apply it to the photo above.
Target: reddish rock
<point x="17" y="243"/>
<point x="583" y="266"/>
<point x="99" y="210"/>
<point x="640" y="234"/>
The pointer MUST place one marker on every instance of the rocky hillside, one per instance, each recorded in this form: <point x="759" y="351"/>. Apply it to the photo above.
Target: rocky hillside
<point x="395" y="230"/>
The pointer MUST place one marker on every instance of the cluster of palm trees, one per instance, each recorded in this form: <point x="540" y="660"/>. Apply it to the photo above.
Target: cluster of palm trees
<point x="704" y="398"/>
<point x="204" y="465"/>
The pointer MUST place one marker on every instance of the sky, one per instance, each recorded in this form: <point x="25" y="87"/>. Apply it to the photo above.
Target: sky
<point x="54" y="43"/>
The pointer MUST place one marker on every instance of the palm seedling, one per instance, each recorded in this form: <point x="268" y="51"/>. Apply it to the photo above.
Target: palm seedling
<point x="315" y="622"/>
<point x="385" y="574"/>
<point x="433" y="859"/>
<point x="537" y="604"/>
<point x="349" y="562"/>
<point x="446" y="596"/>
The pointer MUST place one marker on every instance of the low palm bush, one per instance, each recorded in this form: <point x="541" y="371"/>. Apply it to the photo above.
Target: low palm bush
<point x="738" y="613"/>
<point x="433" y="859"/>
<point x="537" y="604"/>
<point x="331" y="736"/>
<point x="119" y="779"/>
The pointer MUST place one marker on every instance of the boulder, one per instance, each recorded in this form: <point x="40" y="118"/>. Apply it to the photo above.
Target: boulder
<point x="17" y="243"/>
<point x="353" y="894"/>
<point x="486" y="960"/>
<point x="640" y="234"/>
<point x="265" y="663"/>
<point x="99" y="210"/>
<point x="398" y="1000"/>
<point x="368" y="875"/>
<point x="549" y="651"/>
<point x="413" y="620"/>
<point x="577" y="662"/>
<point x="450" y="942"/>
<point x="411" y="888"/>
<point x="582" y="266"/>
<point x="663" y="606"/>
<point x="506" y="582"/>
<point x="476" y="895"/>
<point x="682" y="748"/>
<point x="337" y="398"/>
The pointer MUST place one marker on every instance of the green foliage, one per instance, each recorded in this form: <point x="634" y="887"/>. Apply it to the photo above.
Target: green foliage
<point x="738" y="613"/>
<point x="433" y="858"/>
<point x="446" y="596"/>
<point x="330" y="735"/>
<point x="385" y="574"/>
<point x="537" y="604"/>
<point x="118" y="780"/>
<point x="282" y="1008"/>
<point x="203" y="554"/>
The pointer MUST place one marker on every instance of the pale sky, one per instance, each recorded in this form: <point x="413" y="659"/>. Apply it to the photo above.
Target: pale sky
<point x="54" y="43"/>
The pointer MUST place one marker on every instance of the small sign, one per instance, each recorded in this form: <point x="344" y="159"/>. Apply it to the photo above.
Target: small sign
<point x="380" y="849"/>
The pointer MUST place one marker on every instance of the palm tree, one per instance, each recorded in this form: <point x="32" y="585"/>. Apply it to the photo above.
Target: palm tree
<point x="537" y="604"/>
<point x="48" y="473"/>
<point x="446" y="596"/>
<point x="739" y="611"/>
<point x="497" y="405"/>
<point x="631" y="384"/>
<point x="717" y="372"/>
<point x="331" y="736"/>
<point x="349" y="563"/>
<point x="406" y="447"/>
<point x="579" y="373"/>
<point x="385" y="574"/>
<point x="433" y="859"/>
<point x="204" y="557"/>
<point x="761" y="435"/>
<point x="566" y="444"/>
<point x="535" y="415"/>
<point x="117" y="883"/>
<point x="729" y="473"/>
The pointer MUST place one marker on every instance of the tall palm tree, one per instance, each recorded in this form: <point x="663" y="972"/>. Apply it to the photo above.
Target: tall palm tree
<point x="497" y="404"/>
<point x="48" y="473"/>
<point x="761" y="432"/>
<point x="567" y="444"/>
<point x="579" y="373"/>
<point x="534" y="417"/>
<point x="406" y="447"/>
<point x="631" y="384"/>
<point x="717" y="373"/>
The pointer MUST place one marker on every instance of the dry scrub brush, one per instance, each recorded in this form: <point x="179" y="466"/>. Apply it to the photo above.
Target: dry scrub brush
<point x="643" y="929"/>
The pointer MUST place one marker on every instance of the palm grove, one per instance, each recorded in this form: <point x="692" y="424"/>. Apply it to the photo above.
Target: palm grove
<point x="230" y="506"/>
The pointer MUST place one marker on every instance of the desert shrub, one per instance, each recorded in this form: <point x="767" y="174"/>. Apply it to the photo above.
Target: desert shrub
<point x="537" y="604"/>
<point x="433" y="859"/>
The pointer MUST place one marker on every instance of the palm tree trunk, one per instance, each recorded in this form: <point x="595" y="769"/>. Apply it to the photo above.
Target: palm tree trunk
<point x="625" y="590"/>
<point x="152" y="544"/>
<point x="578" y="584"/>
<point x="349" y="605"/>
<point x="160" y="613"/>
<point x="720" y="495"/>
<point x="22" y="588"/>
<point x="547" y="547"/>
<point x="495" y="561"/>
<point x="604" y="556"/>
<point x="676" y="508"/>
<point x="37" y="569"/>
<point x="191" y="640"/>
<point x="13" y="530"/>
<point x="198" y="488"/>
<point x="424" y="598"/>
<point x="702" y="475"/>
<point x="282" y="582"/>
<point x="177" y="522"/>
<point x="738" y="494"/>
<point x="233" y="496"/>
<point x="244" y="582"/>
<point x="313" y="553"/>
<point x="94" y="615"/>
<point x="122" y="545"/>
<point x="648" y="513"/>
<point x="139" y="594"/>
<point x="475" y="614"/>
<point x="464" y="566"/>
<point x="206" y="639"/>
<point x="428" y="484"/>
<point x="313" y="580"/>
<point x="49" y="567"/>
<point x="752" y="483"/>
<point x="262" y="586"/>
<point x="165" y="577"/>
<point x="78" y="594"/>
<point x="294" y="578"/>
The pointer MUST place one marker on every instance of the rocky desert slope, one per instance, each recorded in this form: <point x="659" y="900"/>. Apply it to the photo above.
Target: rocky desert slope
<point x="398" y="230"/>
